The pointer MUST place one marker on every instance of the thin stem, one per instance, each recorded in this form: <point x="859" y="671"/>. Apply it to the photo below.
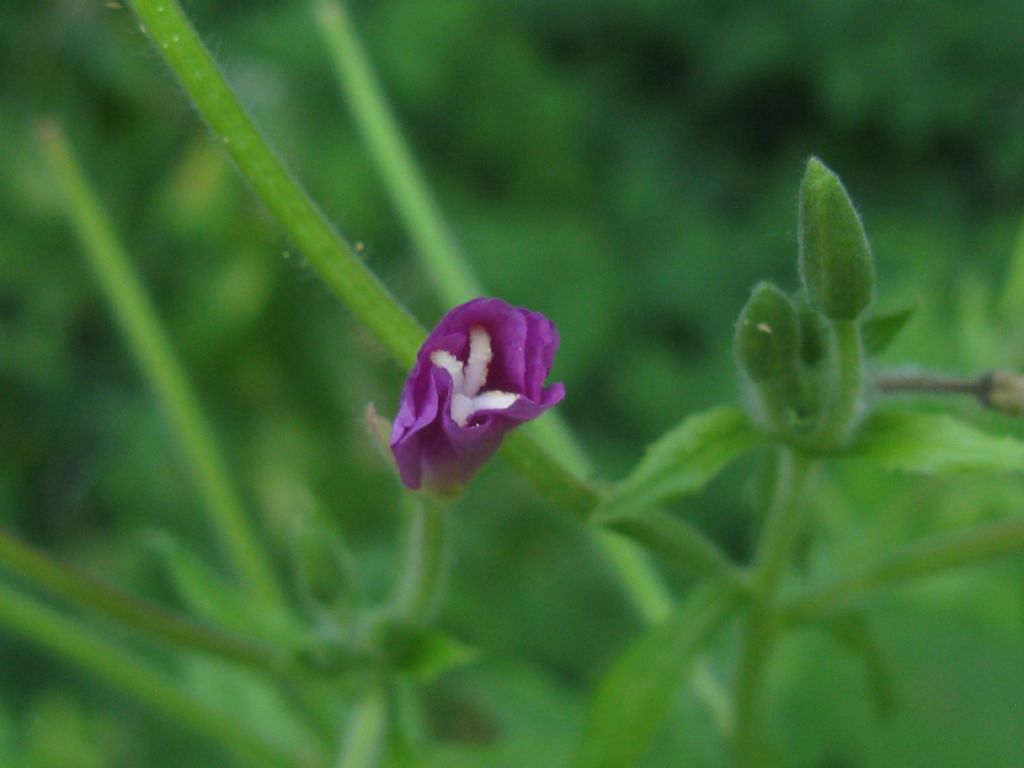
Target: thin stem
<point x="682" y="545"/>
<point x="845" y="390"/>
<point x="364" y="735"/>
<point x="442" y="258"/>
<point x="922" y="558"/>
<point x="782" y="528"/>
<point x="141" y="327"/>
<point x="425" y="570"/>
<point x="403" y="180"/>
<point x="926" y="383"/>
<point x="327" y="252"/>
<point x="82" y="589"/>
<point x="650" y="596"/>
<point x="46" y="628"/>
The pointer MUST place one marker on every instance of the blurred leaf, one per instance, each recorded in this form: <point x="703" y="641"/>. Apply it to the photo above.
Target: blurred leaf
<point x="423" y="653"/>
<point x="934" y="444"/>
<point x="637" y="692"/>
<point x="880" y="330"/>
<point x="683" y="460"/>
<point x="850" y="629"/>
<point x="207" y="594"/>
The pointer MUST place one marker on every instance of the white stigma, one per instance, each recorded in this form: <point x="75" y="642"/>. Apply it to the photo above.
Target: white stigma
<point x="469" y="378"/>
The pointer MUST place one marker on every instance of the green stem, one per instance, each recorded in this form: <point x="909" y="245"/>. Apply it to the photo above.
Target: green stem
<point x="650" y="596"/>
<point x="47" y="629"/>
<point x="416" y="206"/>
<point x="683" y="546"/>
<point x="426" y="562"/>
<point x="775" y="547"/>
<point x="363" y="742"/>
<point x="327" y="252"/>
<point x="82" y="589"/>
<point x="923" y="558"/>
<point x="403" y="180"/>
<point x="845" y="391"/>
<point x="138" y="322"/>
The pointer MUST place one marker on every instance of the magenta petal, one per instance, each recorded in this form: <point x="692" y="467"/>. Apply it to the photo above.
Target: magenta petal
<point x="429" y="447"/>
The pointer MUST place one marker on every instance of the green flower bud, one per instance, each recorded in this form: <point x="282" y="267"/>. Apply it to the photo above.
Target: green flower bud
<point x="768" y="335"/>
<point x="836" y="267"/>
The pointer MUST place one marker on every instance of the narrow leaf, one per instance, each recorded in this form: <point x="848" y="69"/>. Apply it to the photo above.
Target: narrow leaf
<point x="850" y="629"/>
<point x="935" y="444"/>
<point x="637" y="692"/>
<point x="683" y="460"/>
<point x="881" y="330"/>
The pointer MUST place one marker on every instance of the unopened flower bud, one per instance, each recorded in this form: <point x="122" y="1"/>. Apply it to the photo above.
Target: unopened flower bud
<point x="768" y="335"/>
<point x="836" y="266"/>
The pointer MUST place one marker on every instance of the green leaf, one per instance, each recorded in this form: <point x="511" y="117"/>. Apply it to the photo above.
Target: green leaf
<point x="934" y="444"/>
<point x="880" y="330"/>
<point x="208" y="595"/>
<point x="850" y="630"/>
<point x="683" y="460"/>
<point x="637" y="692"/>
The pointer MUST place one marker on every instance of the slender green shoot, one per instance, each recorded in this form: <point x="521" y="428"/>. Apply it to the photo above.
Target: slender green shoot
<point x="47" y="628"/>
<point x="923" y="558"/>
<point x="138" y="321"/>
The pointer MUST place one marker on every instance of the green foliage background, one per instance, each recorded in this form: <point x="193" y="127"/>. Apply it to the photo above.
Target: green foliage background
<point x="630" y="169"/>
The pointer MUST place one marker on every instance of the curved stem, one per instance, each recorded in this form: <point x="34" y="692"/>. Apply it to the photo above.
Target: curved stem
<point x="47" y="629"/>
<point x="147" y="339"/>
<point x="782" y="528"/>
<point x="922" y="558"/>
<point x="82" y="589"/>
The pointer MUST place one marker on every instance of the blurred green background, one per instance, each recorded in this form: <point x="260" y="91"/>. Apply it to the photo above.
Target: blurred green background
<point x="628" y="168"/>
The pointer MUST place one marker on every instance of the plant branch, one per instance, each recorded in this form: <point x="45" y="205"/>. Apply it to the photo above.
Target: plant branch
<point x="923" y="558"/>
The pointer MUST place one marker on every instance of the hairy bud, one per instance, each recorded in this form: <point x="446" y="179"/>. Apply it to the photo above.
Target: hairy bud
<point x="768" y="335"/>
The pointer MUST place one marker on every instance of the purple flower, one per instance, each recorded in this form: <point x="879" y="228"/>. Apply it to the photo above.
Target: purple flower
<point x="479" y="374"/>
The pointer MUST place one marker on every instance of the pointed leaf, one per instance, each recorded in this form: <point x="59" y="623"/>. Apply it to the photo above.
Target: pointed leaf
<point x="850" y="630"/>
<point x="683" y="460"/>
<point x="881" y="330"/>
<point x="637" y="692"/>
<point x="935" y="444"/>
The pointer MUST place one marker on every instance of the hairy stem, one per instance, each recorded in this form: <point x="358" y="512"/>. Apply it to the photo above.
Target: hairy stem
<point x="147" y="339"/>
